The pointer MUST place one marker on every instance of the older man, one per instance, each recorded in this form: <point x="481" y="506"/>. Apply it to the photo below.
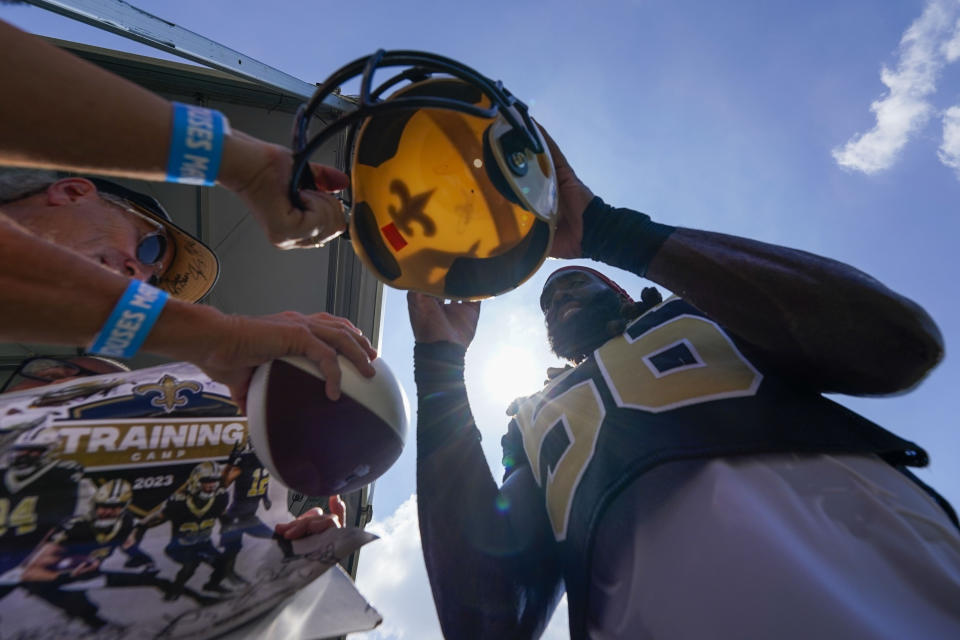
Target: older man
<point x="110" y="126"/>
<point x="68" y="247"/>
<point x="687" y="479"/>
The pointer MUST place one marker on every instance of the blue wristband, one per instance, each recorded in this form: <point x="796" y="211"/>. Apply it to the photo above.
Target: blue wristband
<point x="196" y="144"/>
<point x="130" y="321"/>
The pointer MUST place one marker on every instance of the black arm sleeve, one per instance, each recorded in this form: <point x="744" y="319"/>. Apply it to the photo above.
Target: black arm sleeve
<point x="442" y="407"/>
<point x="621" y="237"/>
<point x="488" y="550"/>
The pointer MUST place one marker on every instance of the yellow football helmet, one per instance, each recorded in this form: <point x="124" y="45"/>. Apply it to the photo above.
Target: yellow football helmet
<point x="453" y="189"/>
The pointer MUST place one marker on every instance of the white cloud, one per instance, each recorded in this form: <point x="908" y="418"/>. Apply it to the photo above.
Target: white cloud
<point x="951" y="48"/>
<point x="924" y="49"/>
<point x="559" y="628"/>
<point x="949" y="151"/>
<point x="393" y="578"/>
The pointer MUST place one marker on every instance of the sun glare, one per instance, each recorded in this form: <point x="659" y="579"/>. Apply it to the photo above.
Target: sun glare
<point x="509" y="372"/>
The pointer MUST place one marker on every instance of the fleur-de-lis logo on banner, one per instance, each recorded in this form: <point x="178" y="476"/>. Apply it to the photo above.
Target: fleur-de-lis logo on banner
<point x="168" y="392"/>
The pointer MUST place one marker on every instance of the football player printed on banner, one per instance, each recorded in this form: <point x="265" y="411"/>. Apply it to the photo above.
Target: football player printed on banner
<point x="37" y="492"/>
<point x="250" y="481"/>
<point x="75" y="551"/>
<point x="192" y="512"/>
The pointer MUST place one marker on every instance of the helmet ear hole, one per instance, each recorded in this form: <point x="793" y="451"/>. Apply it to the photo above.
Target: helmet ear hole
<point x="492" y="167"/>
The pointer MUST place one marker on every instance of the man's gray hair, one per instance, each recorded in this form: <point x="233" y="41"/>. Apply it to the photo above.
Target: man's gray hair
<point x="16" y="183"/>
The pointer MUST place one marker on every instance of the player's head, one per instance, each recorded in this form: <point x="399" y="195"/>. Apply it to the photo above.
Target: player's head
<point x="453" y="189"/>
<point x="204" y="480"/>
<point x="583" y="308"/>
<point x="109" y="502"/>
<point x="124" y="230"/>
<point x="32" y="450"/>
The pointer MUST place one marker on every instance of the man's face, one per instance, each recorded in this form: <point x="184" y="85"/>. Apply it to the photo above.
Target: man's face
<point x="578" y="308"/>
<point x="110" y="235"/>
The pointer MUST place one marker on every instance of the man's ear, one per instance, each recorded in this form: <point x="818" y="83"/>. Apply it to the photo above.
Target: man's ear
<point x="70" y="190"/>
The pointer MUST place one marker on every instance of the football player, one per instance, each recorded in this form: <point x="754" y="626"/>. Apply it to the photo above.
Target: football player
<point x="75" y="552"/>
<point x="192" y="513"/>
<point x="250" y="481"/>
<point x="37" y="492"/>
<point x="687" y="478"/>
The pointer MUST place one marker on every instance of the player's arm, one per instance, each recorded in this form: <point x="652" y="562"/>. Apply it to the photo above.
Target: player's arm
<point x="230" y="473"/>
<point x="489" y="552"/>
<point x="107" y="125"/>
<point x="825" y="322"/>
<point x="153" y="519"/>
<point x="52" y="295"/>
<point x="40" y="565"/>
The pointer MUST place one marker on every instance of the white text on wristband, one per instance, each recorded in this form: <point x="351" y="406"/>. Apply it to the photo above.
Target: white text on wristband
<point x="196" y="144"/>
<point x="130" y="321"/>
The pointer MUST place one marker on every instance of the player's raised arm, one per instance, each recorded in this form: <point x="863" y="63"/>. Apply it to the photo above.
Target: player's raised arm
<point x="825" y="322"/>
<point x="488" y="550"/>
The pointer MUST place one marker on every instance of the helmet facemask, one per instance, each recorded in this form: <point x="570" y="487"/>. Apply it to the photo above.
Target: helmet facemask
<point x="204" y="480"/>
<point x="109" y="503"/>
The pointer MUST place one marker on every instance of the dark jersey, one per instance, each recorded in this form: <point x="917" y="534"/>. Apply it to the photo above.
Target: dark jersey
<point x="250" y="486"/>
<point x="33" y="504"/>
<point x="80" y="538"/>
<point x="193" y="518"/>
<point x="673" y="386"/>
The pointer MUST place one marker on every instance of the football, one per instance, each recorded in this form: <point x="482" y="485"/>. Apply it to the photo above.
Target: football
<point x="321" y="447"/>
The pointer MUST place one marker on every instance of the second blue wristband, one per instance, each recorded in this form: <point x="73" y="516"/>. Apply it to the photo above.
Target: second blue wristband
<point x="130" y="321"/>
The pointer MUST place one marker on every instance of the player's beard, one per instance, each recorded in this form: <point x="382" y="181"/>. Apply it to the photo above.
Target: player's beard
<point x="599" y="319"/>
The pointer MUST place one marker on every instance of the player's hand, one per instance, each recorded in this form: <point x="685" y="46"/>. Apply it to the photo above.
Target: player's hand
<point x="240" y="343"/>
<point x="336" y="506"/>
<point x="573" y="196"/>
<point x="313" y="521"/>
<point x="260" y="172"/>
<point x="434" y="320"/>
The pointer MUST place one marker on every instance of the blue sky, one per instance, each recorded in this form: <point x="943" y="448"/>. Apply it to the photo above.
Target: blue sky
<point x="832" y="127"/>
